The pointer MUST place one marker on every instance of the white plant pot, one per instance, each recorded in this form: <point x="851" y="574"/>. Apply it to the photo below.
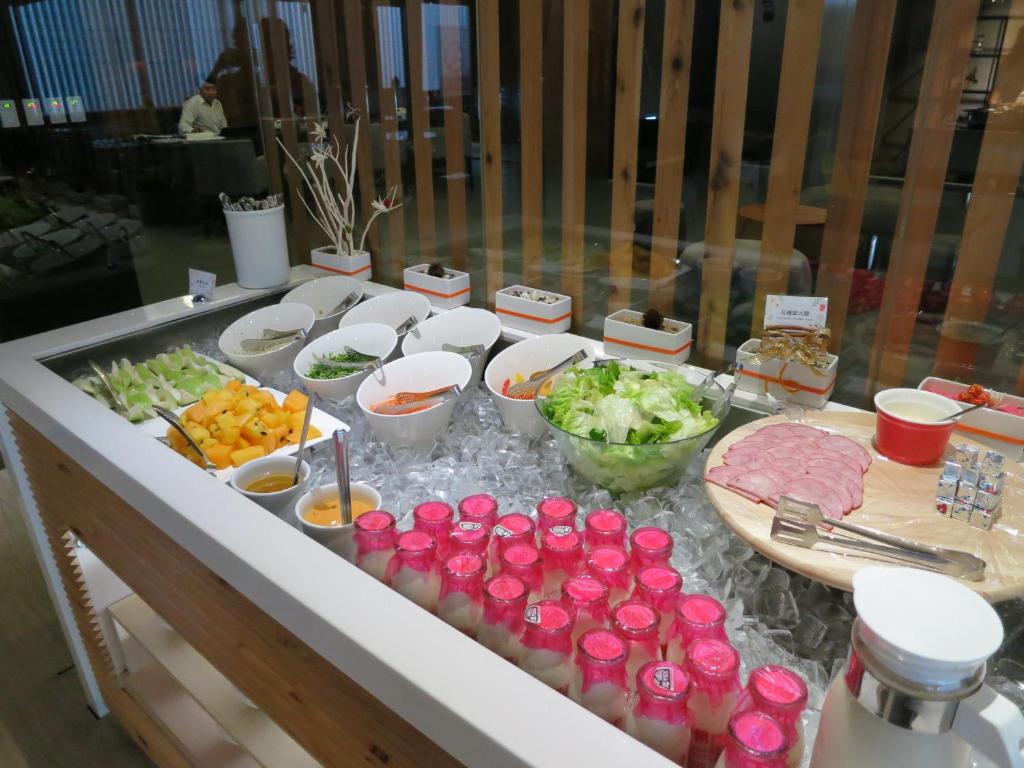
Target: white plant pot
<point x="533" y="316"/>
<point x="357" y="266"/>
<point x="259" y="247"/>
<point x="790" y="381"/>
<point x="446" y="293"/>
<point x="625" y="339"/>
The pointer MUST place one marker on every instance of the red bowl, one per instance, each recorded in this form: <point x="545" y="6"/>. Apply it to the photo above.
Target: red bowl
<point x="906" y="439"/>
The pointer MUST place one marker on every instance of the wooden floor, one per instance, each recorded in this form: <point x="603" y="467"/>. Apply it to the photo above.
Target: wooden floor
<point x="44" y="720"/>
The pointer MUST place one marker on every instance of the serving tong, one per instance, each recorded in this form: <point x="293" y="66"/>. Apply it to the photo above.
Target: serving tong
<point x="349" y="301"/>
<point x="532" y="384"/>
<point x="403" y="400"/>
<point x="353" y="367"/>
<point x="272" y="339"/>
<point x="407" y="326"/>
<point x="797" y="523"/>
<point x="469" y="351"/>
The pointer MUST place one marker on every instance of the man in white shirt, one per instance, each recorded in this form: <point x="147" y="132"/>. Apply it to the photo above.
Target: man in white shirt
<point x="203" y="112"/>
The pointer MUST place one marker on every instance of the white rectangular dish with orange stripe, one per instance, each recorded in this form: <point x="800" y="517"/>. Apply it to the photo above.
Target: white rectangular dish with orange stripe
<point x="1000" y="430"/>
<point x="357" y="266"/>
<point x="533" y="310"/>
<point x="790" y="381"/>
<point x="624" y="336"/>
<point x="444" y="292"/>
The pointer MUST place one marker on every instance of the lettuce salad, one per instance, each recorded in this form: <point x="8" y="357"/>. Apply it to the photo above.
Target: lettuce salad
<point x="625" y="429"/>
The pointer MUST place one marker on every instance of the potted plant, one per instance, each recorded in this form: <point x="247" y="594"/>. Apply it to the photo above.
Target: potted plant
<point x="533" y="310"/>
<point x="647" y="336"/>
<point x="445" y="288"/>
<point x="335" y="211"/>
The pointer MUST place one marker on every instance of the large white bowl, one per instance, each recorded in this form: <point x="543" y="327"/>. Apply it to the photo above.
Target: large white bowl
<point x="281" y="317"/>
<point x="421" y="372"/>
<point x="369" y="338"/>
<point x="462" y="327"/>
<point x="322" y="295"/>
<point x="527" y="357"/>
<point x="392" y="309"/>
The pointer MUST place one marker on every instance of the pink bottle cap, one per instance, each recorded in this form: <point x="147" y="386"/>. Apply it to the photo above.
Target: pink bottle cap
<point x="523" y="561"/>
<point x="638" y="623"/>
<point x="660" y="586"/>
<point x="562" y="547"/>
<point x="605" y="526"/>
<point x="586" y="597"/>
<point x="505" y="598"/>
<point x="374" y="531"/>
<point x="778" y="692"/>
<point x="698" y="617"/>
<point x="756" y="740"/>
<point x="610" y="565"/>
<point x="714" y="666"/>
<point x="434" y="517"/>
<point x="556" y="510"/>
<point x="513" y="528"/>
<point x="463" y="573"/>
<point x="480" y="508"/>
<point x="601" y="658"/>
<point x="548" y="627"/>
<point x="650" y="546"/>
<point x="663" y="688"/>
<point x="414" y="549"/>
<point x="468" y="537"/>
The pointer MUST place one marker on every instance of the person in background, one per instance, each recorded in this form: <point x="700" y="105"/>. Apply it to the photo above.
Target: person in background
<point x="203" y="112"/>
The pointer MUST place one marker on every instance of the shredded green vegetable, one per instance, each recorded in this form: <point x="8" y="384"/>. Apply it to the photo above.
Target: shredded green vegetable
<point x="321" y="371"/>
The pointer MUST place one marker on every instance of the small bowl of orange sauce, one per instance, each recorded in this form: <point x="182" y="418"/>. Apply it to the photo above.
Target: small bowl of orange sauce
<point x="319" y="515"/>
<point x="268" y="482"/>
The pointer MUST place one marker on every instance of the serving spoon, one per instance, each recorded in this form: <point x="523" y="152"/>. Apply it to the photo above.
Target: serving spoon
<point x="302" y="438"/>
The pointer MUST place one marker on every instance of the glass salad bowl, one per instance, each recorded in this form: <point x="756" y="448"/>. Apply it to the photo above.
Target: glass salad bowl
<point x="643" y="452"/>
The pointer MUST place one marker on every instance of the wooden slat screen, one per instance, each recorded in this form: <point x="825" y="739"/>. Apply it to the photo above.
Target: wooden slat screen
<point x="326" y="26"/>
<point x="490" y="127"/>
<point x="531" y="148"/>
<point x="454" y="141"/>
<point x="944" y="69"/>
<point x="426" y="233"/>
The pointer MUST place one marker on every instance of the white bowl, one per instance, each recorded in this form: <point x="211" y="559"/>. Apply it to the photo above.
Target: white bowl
<point x="337" y="538"/>
<point x="280" y="317"/>
<point x="322" y="295"/>
<point x="525" y="358"/>
<point x="369" y="338"/>
<point x="392" y="309"/>
<point x="421" y="372"/>
<point x="462" y="327"/>
<point x="278" y="502"/>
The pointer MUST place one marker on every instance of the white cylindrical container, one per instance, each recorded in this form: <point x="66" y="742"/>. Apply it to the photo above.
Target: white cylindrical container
<point x="659" y="716"/>
<point x="259" y="247"/>
<point x="547" y="644"/>
<point x="599" y="681"/>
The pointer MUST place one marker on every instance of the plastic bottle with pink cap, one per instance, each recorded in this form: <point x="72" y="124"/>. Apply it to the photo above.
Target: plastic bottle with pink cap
<point x="461" y="601"/>
<point x="781" y="693"/>
<point x="604" y="527"/>
<point x="599" y="679"/>
<point x="555" y="511"/>
<point x="479" y="508"/>
<point x="547" y="644"/>
<point x="513" y="528"/>
<point x="637" y="624"/>
<point x="374" y="535"/>
<point x="649" y="546"/>
<point x="501" y="627"/>
<point x="468" y="537"/>
<point x="660" y="586"/>
<point x="714" y="668"/>
<point x="587" y="601"/>
<point x="435" y="518"/>
<point x="610" y="565"/>
<point x="523" y="561"/>
<point x="659" y="716"/>
<point x="755" y="740"/>
<point x="697" y="617"/>
<point x="413" y="570"/>
<point x="561" y="549"/>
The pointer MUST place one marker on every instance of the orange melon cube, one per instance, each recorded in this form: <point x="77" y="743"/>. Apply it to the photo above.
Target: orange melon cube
<point x="295" y="401"/>
<point x="220" y="455"/>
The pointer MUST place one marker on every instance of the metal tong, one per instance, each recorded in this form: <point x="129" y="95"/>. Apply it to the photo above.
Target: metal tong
<point x="798" y="522"/>
<point x="531" y="385"/>
<point x="408" y="402"/>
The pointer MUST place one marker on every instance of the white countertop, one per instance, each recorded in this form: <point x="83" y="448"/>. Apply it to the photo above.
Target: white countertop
<point x="480" y="709"/>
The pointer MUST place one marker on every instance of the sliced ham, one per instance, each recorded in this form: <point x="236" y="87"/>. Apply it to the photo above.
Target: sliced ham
<point x="813" y="491"/>
<point x="849" y="447"/>
<point x="787" y="455"/>
<point x="842" y="458"/>
<point x="751" y="461"/>
<point x="841" y="467"/>
<point x="760" y="484"/>
<point x="839" y="485"/>
<point x="723" y="474"/>
<point x="805" y="431"/>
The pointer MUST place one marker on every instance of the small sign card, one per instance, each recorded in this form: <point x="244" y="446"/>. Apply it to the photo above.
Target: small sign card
<point x="201" y="284"/>
<point x="795" y="311"/>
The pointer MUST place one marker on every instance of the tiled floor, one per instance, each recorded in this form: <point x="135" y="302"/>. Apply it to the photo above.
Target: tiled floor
<point x="44" y="720"/>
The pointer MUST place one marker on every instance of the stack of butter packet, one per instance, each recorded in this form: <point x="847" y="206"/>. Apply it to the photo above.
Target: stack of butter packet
<point x="971" y="486"/>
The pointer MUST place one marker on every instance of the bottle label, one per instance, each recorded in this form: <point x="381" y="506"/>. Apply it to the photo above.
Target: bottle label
<point x="663" y="678"/>
<point x="533" y="614"/>
<point x="467" y="525"/>
<point x="502" y="532"/>
<point x="561" y="530"/>
<point x="705" y="748"/>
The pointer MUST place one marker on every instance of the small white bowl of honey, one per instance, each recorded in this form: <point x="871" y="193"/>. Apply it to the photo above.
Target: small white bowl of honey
<point x="268" y="482"/>
<point x="319" y="515"/>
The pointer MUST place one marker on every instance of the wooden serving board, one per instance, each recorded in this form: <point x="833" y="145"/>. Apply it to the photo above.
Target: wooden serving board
<point x="897" y="499"/>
